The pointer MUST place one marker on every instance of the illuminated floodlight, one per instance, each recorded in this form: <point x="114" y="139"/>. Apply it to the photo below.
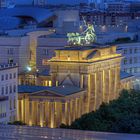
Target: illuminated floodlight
<point x="29" y="68"/>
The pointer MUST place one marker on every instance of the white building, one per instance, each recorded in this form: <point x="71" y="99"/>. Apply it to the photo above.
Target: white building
<point x="8" y="92"/>
<point x="4" y="109"/>
<point x="46" y="46"/>
<point x="15" y="49"/>
<point x="131" y="61"/>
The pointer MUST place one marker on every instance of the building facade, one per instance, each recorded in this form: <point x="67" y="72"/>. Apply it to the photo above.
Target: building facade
<point x="4" y="109"/>
<point x="8" y="90"/>
<point x="15" y="49"/>
<point x="82" y="78"/>
<point x="131" y="61"/>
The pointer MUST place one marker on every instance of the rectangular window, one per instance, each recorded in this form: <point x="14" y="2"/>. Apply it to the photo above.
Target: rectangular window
<point x="125" y="61"/>
<point x="10" y="51"/>
<point x="2" y="90"/>
<point x="10" y="61"/>
<point x="131" y="51"/>
<point x="130" y="61"/>
<point x="10" y="77"/>
<point x="6" y="77"/>
<point x="135" y="70"/>
<point x="2" y="77"/>
<point x="135" y="59"/>
<point x="14" y="75"/>
<point x="45" y="52"/>
<point x="125" y="51"/>
<point x="10" y="89"/>
<point x="6" y="91"/>
<point x="130" y="70"/>
<point x="135" y="50"/>
<point x="10" y="102"/>
<point x="14" y="88"/>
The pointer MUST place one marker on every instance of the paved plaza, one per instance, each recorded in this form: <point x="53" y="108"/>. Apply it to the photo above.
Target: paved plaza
<point x="36" y="133"/>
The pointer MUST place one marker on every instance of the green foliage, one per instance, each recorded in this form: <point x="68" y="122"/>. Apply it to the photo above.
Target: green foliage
<point x="121" y="115"/>
<point x="16" y="123"/>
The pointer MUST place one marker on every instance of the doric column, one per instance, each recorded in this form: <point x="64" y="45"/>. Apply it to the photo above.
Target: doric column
<point x="19" y="110"/>
<point x="80" y="107"/>
<point x="103" y="86"/>
<point x="27" y="111"/>
<point x="81" y="81"/>
<point x="52" y="110"/>
<point x="41" y="114"/>
<point x="99" y="90"/>
<point x="71" y="111"/>
<point x="47" y="113"/>
<point x="76" y="108"/>
<point x="33" y="109"/>
<point x="30" y="114"/>
<point x="64" y="113"/>
<point x="68" y="113"/>
<point x="22" y="111"/>
<point x="112" y="84"/>
<point x="109" y="83"/>
<point x="117" y="82"/>
<point x="106" y="85"/>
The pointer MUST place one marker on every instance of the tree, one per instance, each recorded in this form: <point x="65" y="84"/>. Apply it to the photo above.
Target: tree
<point x="121" y="115"/>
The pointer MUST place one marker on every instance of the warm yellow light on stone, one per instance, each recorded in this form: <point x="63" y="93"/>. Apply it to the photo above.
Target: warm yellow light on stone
<point x="96" y="71"/>
<point x="30" y="123"/>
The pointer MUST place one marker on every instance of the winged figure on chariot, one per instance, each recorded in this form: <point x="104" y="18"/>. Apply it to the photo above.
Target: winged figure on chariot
<point x="86" y="37"/>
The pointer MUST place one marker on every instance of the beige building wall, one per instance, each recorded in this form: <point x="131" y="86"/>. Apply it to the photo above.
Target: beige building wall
<point x="96" y="70"/>
<point x="100" y="75"/>
<point x="51" y="111"/>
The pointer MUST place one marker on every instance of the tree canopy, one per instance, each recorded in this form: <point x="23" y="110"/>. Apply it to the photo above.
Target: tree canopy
<point x="121" y="115"/>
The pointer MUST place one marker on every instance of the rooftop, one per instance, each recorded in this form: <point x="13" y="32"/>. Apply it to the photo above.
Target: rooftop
<point x="8" y="66"/>
<point x="63" y="90"/>
<point x="84" y="47"/>
<point x="39" y="14"/>
<point x="124" y="75"/>
<point x="44" y="73"/>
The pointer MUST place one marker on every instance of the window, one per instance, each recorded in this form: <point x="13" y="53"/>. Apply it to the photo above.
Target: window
<point x="45" y="52"/>
<point x="14" y="89"/>
<point x="10" y="104"/>
<point x="135" y="59"/>
<point x="6" y="91"/>
<point x="2" y="77"/>
<point x="10" y="51"/>
<point x="14" y="103"/>
<point x="130" y="61"/>
<point x="130" y="51"/>
<point x="125" y="61"/>
<point x="10" y="60"/>
<point x="6" y="77"/>
<point x="2" y="90"/>
<point x="10" y="76"/>
<point x="14" y="75"/>
<point x="125" y="70"/>
<point x="135" y="50"/>
<point x="10" y="89"/>
<point x="130" y="70"/>
<point x="125" y="51"/>
<point x="135" y="70"/>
